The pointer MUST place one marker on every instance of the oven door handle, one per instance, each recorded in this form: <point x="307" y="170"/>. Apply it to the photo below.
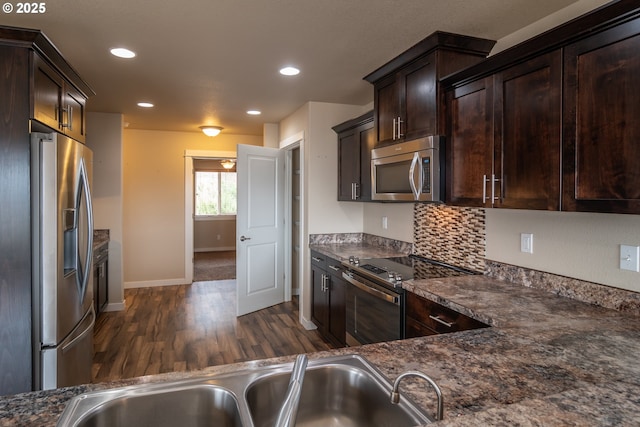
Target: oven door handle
<point x="394" y="299"/>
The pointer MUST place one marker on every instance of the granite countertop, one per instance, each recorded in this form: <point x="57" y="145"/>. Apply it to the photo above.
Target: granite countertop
<point x="546" y="360"/>
<point x="100" y="238"/>
<point x="342" y="251"/>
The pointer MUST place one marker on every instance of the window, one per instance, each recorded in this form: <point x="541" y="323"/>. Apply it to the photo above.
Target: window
<point x="215" y="193"/>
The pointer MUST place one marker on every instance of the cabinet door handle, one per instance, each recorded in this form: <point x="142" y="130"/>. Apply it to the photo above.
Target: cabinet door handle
<point x="394" y="129"/>
<point x="399" y="132"/>
<point x="324" y="287"/>
<point x="69" y="123"/>
<point x="493" y="189"/>
<point x="355" y="187"/>
<point x="442" y="322"/>
<point x="484" y="189"/>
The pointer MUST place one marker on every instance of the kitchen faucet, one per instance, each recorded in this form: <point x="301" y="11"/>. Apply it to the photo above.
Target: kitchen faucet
<point x="289" y="409"/>
<point x="395" y="394"/>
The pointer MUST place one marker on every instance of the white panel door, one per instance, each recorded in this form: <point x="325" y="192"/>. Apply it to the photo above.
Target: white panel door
<point x="260" y="228"/>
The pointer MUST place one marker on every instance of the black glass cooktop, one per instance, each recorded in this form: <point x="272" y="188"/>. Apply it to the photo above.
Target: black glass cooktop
<point x="408" y="267"/>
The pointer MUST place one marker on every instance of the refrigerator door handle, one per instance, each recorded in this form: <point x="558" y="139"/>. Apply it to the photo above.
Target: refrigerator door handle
<point x="85" y="270"/>
<point x="88" y="330"/>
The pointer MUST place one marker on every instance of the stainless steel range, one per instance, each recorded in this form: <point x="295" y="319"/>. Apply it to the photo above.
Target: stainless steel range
<point x="375" y="298"/>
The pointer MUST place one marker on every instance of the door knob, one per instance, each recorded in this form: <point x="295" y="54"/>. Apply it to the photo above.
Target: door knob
<point x="242" y="238"/>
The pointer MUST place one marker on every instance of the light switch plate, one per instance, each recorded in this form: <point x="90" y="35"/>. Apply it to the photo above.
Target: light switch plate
<point x="526" y="243"/>
<point x="629" y="258"/>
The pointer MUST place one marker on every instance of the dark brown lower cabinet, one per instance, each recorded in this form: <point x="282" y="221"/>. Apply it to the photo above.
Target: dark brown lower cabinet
<point x="101" y="278"/>
<point x="337" y="303"/>
<point x="425" y="317"/>
<point x="319" y="295"/>
<point x="328" y="298"/>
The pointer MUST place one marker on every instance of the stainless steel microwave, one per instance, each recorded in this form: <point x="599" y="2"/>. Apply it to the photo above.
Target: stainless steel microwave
<point x="410" y="171"/>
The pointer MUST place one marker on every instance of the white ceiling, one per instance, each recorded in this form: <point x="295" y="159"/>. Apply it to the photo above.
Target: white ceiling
<point x="208" y="61"/>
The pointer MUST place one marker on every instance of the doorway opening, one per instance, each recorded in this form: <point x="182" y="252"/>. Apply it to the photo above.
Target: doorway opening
<point x="214" y="219"/>
<point x="206" y="234"/>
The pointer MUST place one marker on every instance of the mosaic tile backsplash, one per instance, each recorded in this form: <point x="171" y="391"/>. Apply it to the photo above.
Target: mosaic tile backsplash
<point x="450" y="234"/>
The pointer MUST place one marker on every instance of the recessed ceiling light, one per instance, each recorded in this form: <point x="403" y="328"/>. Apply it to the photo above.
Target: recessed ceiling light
<point x="145" y="104"/>
<point x="121" y="52"/>
<point x="289" y="71"/>
<point x="254" y="112"/>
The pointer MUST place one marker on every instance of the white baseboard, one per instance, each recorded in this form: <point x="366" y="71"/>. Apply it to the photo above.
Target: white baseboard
<point x="215" y="249"/>
<point x="307" y="324"/>
<point x="154" y="283"/>
<point x="115" y="306"/>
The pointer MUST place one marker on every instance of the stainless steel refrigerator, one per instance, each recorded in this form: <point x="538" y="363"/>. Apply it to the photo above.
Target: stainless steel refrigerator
<point x="62" y="221"/>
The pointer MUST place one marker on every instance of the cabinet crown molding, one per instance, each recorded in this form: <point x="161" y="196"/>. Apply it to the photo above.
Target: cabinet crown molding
<point x="437" y="40"/>
<point x="40" y="43"/>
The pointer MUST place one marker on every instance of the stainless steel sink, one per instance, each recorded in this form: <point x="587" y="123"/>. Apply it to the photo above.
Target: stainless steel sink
<point x="337" y="391"/>
<point x="183" y="405"/>
<point x="332" y="395"/>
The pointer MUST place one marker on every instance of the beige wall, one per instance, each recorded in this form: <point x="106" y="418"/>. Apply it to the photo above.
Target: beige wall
<point x="321" y="212"/>
<point x="570" y="12"/>
<point x="104" y="137"/>
<point x="399" y="220"/>
<point x="580" y="245"/>
<point x="154" y="210"/>
<point x="214" y="235"/>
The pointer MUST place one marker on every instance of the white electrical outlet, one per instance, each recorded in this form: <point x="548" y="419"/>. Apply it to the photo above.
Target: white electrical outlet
<point x="629" y="258"/>
<point x="385" y="223"/>
<point x="526" y="243"/>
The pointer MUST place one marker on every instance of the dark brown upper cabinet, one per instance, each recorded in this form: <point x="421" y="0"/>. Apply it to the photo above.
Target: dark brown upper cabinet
<point x="469" y="151"/>
<point x="407" y="95"/>
<point x="56" y="102"/>
<point x="355" y="142"/>
<point x="601" y="157"/>
<point x="504" y="137"/>
<point x="553" y="122"/>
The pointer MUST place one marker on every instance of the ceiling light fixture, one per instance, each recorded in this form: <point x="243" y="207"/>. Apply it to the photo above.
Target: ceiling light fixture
<point x="254" y="112"/>
<point x="145" y="104"/>
<point x="228" y="164"/>
<point x="121" y="52"/>
<point x="211" y="130"/>
<point x="289" y="71"/>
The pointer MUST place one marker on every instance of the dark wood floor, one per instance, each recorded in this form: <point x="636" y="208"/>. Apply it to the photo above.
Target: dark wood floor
<point x="188" y="327"/>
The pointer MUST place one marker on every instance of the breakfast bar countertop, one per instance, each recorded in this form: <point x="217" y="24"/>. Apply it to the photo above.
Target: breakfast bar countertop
<point x="546" y="360"/>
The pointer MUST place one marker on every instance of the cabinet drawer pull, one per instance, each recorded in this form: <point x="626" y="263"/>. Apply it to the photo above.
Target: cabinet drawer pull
<point x="316" y="259"/>
<point x="334" y="268"/>
<point x="442" y="322"/>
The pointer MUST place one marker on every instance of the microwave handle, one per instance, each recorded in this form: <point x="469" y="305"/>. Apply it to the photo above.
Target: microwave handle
<point x="416" y="189"/>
